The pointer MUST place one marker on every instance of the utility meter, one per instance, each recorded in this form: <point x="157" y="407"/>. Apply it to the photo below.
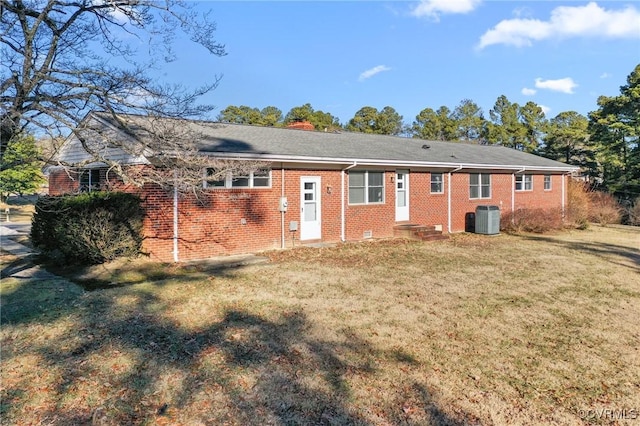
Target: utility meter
<point x="283" y="204"/>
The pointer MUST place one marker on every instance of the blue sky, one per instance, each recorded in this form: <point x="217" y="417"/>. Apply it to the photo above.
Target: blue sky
<point x="340" y="56"/>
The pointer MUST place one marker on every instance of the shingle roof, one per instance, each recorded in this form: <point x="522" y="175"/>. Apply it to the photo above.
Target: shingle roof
<point x="361" y="147"/>
<point x="282" y="144"/>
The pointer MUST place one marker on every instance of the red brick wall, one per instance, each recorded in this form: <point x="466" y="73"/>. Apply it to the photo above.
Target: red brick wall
<point x="431" y="209"/>
<point x="234" y="221"/>
<point x="427" y="208"/>
<point x="461" y="204"/>
<point x="501" y="196"/>
<point x="377" y="218"/>
<point x="538" y="197"/>
<point x="61" y="182"/>
<point x="68" y="181"/>
<point x="329" y="198"/>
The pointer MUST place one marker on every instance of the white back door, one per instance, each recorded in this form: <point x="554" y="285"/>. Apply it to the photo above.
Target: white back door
<point x="402" y="195"/>
<point x="310" y="208"/>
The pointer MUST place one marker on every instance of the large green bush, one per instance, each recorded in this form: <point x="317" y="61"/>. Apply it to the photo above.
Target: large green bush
<point x="88" y="228"/>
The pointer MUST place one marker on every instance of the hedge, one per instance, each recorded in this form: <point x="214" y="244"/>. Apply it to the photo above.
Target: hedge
<point x="89" y="228"/>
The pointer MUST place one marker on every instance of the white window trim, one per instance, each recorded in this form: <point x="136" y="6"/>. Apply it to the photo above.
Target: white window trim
<point x="366" y="188"/>
<point x="480" y="197"/>
<point x="523" y="182"/>
<point x="91" y="186"/>
<point x="228" y="182"/>
<point x="441" y="183"/>
<point x="550" y="182"/>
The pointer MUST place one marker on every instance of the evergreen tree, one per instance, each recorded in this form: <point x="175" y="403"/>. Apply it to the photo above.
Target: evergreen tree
<point x="268" y="116"/>
<point x="321" y="120"/>
<point x="567" y="140"/>
<point x="20" y="167"/>
<point x="470" y="122"/>
<point x="615" y="127"/>
<point x="505" y="127"/>
<point x="369" y="120"/>
<point x="535" y="123"/>
<point x="434" y="125"/>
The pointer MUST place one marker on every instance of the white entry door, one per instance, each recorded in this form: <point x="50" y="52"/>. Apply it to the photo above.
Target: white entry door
<point x="310" y="208"/>
<point x="402" y="195"/>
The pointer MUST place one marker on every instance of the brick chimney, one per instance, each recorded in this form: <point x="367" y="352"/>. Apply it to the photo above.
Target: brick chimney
<point x="301" y="125"/>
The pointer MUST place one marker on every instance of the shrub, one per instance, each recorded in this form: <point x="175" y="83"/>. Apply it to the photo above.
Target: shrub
<point x="604" y="208"/>
<point x="532" y="220"/>
<point x="633" y="213"/>
<point x="89" y="228"/>
<point x="577" y="211"/>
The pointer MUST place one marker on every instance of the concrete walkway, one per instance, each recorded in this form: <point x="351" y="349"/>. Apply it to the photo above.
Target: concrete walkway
<point x="23" y="268"/>
<point x="229" y="262"/>
<point x="13" y="229"/>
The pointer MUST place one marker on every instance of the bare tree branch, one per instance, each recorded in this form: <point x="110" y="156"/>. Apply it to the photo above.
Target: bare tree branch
<point x="52" y="75"/>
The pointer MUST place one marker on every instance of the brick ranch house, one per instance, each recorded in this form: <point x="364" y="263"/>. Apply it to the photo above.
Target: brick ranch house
<point x="323" y="187"/>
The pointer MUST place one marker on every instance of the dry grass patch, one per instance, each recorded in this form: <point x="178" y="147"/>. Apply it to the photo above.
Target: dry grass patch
<point x="475" y="330"/>
<point x="21" y="209"/>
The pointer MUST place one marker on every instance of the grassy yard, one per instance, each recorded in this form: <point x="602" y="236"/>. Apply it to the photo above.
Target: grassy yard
<point x="502" y="330"/>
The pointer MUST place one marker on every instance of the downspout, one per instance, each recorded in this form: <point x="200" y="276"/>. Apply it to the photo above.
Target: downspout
<point x="513" y="198"/>
<point x="343" y="237"/>
<point x="282" y="233"/>
<point x="449" y="197"/>
<point x="564" y="178"/>
<point x="175" y="217"/>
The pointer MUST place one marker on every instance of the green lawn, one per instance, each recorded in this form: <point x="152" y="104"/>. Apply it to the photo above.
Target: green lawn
<point x="532" y="329"/>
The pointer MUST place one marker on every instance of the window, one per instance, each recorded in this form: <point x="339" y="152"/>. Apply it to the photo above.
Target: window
<point x="479" y="185"/>
<point x="261" y="179"/>
<point x="437" y="183"/>
<point x="547" y="182"/>
<point x="524" y="182"/>
<point x="366" y="187"/>
<point x="89" y="180"/>
<point x="257" y="179"/>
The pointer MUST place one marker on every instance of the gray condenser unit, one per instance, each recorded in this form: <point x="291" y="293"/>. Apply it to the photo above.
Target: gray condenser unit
<point x="487" y="220"/>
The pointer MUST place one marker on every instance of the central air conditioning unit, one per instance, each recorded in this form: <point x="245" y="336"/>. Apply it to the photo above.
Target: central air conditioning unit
<point x="487" y="220"/>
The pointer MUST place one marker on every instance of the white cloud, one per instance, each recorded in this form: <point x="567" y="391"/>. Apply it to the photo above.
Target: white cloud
<point x="605" y="75"/>
<point x="516" y="32"/>
<point x="590" y="20"/>
<point x="434" y="8"/>
<point x="564" y="85"/>
<point x="528" y="92"/>
<point x="373" y="71"/>
<point x="545" y="109"/>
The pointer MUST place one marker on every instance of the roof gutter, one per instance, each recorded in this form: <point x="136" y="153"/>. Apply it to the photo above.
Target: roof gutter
<point x="386" y="163"/>
<point x="518" y="168"/>
<point x="343" y="220"/>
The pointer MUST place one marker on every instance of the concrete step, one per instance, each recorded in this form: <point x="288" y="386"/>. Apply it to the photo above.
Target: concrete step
<point x="418" y="232"/>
